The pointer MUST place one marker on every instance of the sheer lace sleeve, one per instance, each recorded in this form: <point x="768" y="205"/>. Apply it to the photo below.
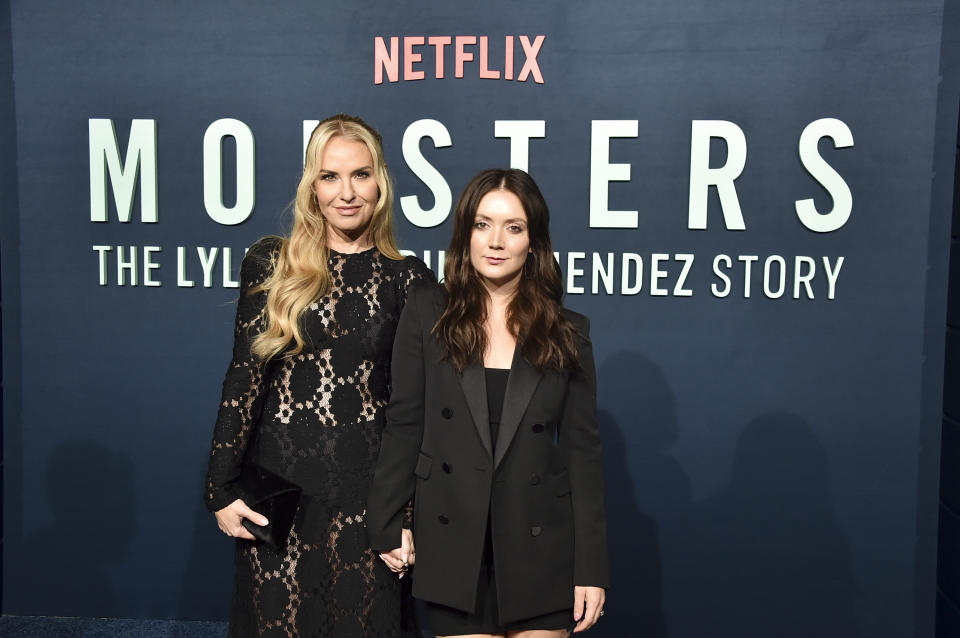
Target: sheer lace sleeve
<point x="414" y="272"/>
<point x="244" y="384"/>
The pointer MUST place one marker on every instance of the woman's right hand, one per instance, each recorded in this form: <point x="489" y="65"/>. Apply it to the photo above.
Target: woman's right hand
<point x="402" y="558"/>
<point x="230" y="519"/>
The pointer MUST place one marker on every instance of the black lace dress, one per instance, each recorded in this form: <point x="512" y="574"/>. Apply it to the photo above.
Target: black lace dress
<point x="316" y="419"/>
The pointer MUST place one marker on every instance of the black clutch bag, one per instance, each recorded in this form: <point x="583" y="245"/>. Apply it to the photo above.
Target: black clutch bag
<point x="273" y="496"/>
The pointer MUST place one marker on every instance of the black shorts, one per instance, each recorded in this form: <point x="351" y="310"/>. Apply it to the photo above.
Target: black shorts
<point x="447" y="621"/>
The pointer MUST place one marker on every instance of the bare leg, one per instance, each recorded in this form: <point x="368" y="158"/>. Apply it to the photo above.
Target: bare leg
<point x="530" y="633"/>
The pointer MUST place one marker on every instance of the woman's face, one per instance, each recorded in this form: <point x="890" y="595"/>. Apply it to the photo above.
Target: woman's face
<point x="499" y="242"/>
<point x="346" y="190"/>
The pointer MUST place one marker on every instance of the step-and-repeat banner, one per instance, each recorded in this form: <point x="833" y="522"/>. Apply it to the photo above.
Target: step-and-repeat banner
<point x="741" y="196"/>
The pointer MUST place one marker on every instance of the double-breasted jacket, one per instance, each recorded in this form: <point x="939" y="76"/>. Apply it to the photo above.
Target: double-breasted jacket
<point x="541" y="484"/>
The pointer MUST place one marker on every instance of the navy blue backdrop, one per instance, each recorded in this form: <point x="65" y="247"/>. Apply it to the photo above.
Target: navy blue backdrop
<point x="769" y="366"/>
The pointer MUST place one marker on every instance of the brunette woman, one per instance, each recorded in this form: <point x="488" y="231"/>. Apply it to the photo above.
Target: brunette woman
<point x="305" y="396"/>
<point x="492" y="426"/>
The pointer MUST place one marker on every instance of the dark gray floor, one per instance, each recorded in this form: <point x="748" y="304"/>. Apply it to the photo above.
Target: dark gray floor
<point x="47" y="627"/>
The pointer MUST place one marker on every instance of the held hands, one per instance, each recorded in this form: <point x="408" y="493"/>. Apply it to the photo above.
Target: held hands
<point x="587" y="606"/>
<point x="230" y="519"/>
<point x="401" y="559"/>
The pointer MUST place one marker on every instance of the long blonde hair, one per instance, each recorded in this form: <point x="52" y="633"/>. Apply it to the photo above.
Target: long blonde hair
<point x="300" y="274"/>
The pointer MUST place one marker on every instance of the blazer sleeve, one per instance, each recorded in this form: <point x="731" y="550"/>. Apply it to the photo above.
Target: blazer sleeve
<point x="579" y="439"/>
<point x="393" y="482"/>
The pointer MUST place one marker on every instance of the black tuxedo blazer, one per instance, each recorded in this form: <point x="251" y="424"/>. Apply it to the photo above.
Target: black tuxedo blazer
<point x="542" y="485"/>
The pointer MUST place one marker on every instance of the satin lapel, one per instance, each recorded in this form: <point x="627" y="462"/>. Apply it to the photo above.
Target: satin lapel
<point x="521" y="384"/>
<point x="474" y="384"/>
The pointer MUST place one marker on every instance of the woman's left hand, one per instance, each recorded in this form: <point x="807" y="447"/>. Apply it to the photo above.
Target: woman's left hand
<point x="587" y="606"/>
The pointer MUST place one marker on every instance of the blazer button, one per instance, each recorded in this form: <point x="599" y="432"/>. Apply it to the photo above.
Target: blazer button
<point x="446" y="468"/>
<point x="443" y="519"/>
<point x="534" y="479"/>
<point x="447" y="413"/>
<point x="535" y="530"/>
<point x="538" y="427"/>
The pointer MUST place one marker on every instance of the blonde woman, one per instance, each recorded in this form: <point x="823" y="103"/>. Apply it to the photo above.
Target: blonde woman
<point x="305" y="395"/>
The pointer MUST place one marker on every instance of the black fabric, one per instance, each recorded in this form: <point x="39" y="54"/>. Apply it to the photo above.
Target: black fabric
<point x="496" y="390"/>
<point x="273" y="496"/>
<point x="544" y="499"/>
<point x="447" y="621"/>
<point x="314" y="418"/>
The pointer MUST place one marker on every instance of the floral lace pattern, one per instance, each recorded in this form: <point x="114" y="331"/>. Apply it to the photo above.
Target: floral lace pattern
<point x="316" y="419"/>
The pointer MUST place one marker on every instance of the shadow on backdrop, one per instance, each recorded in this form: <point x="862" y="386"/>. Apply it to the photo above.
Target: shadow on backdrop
<point x="771" y="558"/>
<point x="208" y="579"/>
<point x="647" y="492"/>
<point x="92" y="495"/>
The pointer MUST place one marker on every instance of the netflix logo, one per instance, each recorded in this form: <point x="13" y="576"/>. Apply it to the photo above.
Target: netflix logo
<point x="470" y="53"/>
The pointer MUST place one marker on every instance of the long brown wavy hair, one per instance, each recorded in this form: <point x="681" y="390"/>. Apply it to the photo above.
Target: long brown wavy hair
<point x="545" y="337"/>
<point x="300" y="274"/>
